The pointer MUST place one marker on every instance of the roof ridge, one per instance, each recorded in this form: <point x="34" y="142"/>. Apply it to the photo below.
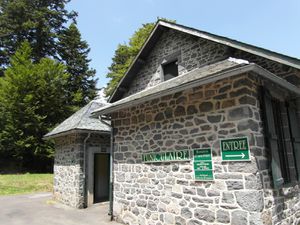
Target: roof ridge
<point x="163" y="23"/>
<point x="251" y="49"/>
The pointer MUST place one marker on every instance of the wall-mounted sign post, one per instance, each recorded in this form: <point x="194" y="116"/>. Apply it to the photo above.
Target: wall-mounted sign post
<point x="203" y="166"/>
<point x="235" y="149"/>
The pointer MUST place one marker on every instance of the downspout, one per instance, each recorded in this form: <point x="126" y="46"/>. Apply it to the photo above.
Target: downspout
<point x="111" y="163"/>
<point x="84" y="169"/>
<point x="111" y="180"/>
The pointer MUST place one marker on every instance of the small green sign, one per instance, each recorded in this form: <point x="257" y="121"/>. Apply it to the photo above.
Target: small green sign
<point x="152" y="157"/>
<point x="203" y="165"/>
<point x="235" y="149"/>
<point x="202" y="154"/>
<point x="204" y="175"/>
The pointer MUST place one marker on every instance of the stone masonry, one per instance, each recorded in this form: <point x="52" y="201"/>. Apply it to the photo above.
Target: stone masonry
<point x="69" y="177"/>
<point x="194" y="52"/>
<point x="166" y="193"/>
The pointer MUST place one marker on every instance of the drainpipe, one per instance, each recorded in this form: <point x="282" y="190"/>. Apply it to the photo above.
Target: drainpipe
<point x="111" y="180"/>
<point x="84" y="169"/>
<point x="111" y="163"/>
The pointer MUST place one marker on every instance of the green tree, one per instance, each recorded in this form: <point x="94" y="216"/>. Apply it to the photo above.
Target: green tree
<point x="31" y="102"/>
<point x="37" y="21"/>
<point x="27" y="112"/>
<point x="74" y="54"/>
<point x="124" y="55"/>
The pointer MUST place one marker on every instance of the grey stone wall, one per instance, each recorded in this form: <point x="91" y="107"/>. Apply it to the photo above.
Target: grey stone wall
<point x="281" y="206"/>
<point x="101" y="141"/>
<point x="289" y="73"/>
<point x="69" y="175"/>
<point x="194" y="53"/>
<point x="166" y="193"/>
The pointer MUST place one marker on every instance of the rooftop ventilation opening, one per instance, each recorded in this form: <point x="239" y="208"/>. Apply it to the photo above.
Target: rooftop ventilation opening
<point x="170" y="70"/>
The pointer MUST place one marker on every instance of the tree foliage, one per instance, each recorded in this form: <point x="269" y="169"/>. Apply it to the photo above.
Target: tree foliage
<point x="124" y="55"/>
<point x="31" y="102"/>
<point x="42" y="94"/>
<point x="42" y="24"/>
<point x="37" y="21"/>
<point x="74" y="54"/>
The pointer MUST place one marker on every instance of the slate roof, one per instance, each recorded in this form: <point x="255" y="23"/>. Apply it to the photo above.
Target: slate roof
<point x="81" y="121"/>
<point x="161" y="26"/>
<point x="200" y="76"/>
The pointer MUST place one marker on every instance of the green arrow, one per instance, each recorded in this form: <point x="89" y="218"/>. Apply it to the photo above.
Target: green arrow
<point x="242" y="155"/>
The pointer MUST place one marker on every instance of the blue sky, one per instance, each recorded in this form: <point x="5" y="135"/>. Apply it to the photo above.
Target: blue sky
<point x="272" y="24"/>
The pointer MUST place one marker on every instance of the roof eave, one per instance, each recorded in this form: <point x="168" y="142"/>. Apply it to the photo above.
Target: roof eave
<point x="202" y="81"/>
<point x="73" y="131"/>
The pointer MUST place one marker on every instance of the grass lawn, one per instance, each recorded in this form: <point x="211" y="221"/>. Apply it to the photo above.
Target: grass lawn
<point x="25" y="183"/>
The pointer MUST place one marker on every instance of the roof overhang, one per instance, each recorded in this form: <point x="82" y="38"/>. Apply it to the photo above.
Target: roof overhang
<point x="191" y="80"/>
<point x="75" y="131"/>
<point x="163" y="25"/>
<point x="81" y="121"/>
<point x="265" y="53"/>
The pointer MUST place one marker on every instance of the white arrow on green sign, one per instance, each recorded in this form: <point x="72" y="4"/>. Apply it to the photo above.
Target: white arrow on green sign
<point x="235" y="149"/>
<point x="240" y="156"/>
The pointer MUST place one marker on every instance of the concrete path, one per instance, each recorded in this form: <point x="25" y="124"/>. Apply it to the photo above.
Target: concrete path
<point x="39" y="209"/>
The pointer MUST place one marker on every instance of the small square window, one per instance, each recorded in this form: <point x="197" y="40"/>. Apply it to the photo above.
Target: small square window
<point x="170" y="70"/>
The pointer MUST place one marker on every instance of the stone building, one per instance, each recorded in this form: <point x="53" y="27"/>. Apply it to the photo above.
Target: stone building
<point x="205" y="131"/>
<point x="82" y="156"/>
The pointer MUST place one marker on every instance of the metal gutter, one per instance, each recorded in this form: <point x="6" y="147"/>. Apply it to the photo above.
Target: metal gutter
<point x="132" y="101"/>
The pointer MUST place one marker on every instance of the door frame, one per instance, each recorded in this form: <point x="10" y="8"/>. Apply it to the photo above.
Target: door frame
<point x="90" y="181"/>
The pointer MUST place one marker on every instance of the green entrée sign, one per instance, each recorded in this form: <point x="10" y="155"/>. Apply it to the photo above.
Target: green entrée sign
<point x="235" y="149"/>
<point x="183" y="155"/>
<point x="203" y="166"/>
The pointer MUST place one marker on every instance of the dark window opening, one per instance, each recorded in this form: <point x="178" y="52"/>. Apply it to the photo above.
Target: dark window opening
<point x="282" y="133"/>
<point x="170" y="70"/>
<point x="279" y="126"/>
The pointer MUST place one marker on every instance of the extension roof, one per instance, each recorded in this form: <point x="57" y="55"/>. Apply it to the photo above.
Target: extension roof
<point x="81" y="122"/>
<point x="161" y="26"/>
<point x="204" y="75"/>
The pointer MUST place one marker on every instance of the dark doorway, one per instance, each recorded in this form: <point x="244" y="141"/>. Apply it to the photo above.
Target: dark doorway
<point x="101" y="177"/>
